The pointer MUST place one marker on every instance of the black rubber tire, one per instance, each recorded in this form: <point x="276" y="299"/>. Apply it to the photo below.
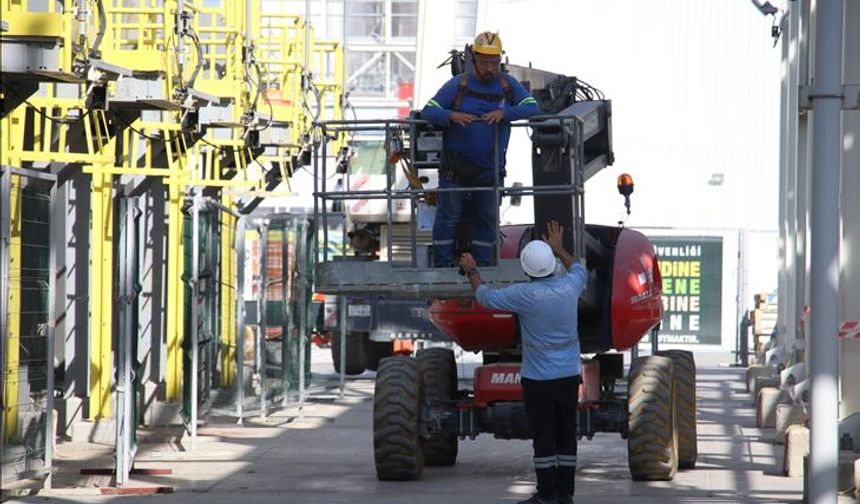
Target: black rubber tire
<point x="685" y="385"/>
<point x="375" y="351"/>
<point x="652" y="444"/>
<point x="439" y="370"/>
<point x="354" y="352"/>
<point x="398" y="449"/>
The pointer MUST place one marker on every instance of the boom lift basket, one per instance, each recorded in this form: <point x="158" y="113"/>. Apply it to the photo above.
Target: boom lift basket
<point x="567" y="148"/>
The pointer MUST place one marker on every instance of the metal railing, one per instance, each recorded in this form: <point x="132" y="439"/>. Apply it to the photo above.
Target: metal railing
<point x="407" y="139"/>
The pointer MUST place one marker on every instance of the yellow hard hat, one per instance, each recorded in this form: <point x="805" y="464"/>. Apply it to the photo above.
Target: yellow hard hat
<point x="488" y="43"/>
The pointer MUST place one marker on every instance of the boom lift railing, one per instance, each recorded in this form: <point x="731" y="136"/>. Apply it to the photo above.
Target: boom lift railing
<point x="420" y="147"/>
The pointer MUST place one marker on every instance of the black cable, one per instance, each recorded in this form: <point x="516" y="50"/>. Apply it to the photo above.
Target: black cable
<point x="172" y="43"/>
<point x="102" y="28"/>
<point x="259" y="85"/>
<point x="199" y="65"/>
<point x="128" y="125"/>
<point x="38" y="110"/>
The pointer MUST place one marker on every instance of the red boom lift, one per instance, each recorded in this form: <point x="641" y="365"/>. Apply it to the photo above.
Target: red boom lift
<point x="420" y="414"/>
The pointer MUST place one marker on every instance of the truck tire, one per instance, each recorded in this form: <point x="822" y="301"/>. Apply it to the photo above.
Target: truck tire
<point x="685" y="385"/>
<point x="375" y="351"/>
<point x="652" y="445"/>
<point x="439" y="370"/>
<point x="354" y="352"/>
<point x="398" y="450"/>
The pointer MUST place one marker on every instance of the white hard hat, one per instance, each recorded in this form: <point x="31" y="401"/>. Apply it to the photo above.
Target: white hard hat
<point x="537" y="259"/>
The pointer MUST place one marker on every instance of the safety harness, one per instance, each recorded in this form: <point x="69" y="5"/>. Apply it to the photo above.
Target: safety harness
<point x="463" y="91"/>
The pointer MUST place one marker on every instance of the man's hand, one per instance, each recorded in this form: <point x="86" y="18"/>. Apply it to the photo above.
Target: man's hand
<point x="462" y="118"/>
<point x="467" y="262"/>
<point x="494" y="117"/>
<point x="553" y="236"/>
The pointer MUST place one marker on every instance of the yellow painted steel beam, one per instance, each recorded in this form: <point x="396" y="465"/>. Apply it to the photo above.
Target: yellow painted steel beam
<point x="175" y="291"/>
<point x="264" y="194"/>
<point x="141" y="172"/>
<point x="69" y="157"/>
<point x="101" y="296"/>
<point x="228" y="297"/>
<point x="13" y="344"/>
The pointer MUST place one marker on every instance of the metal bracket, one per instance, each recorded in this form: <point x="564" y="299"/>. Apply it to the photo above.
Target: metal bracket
<point x="102" y="72"/>
<point x="850" y="97"/>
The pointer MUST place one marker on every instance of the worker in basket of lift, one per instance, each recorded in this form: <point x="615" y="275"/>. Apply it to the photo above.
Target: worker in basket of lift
<point x="551" y="371"/>
<point x="473" y="108"/>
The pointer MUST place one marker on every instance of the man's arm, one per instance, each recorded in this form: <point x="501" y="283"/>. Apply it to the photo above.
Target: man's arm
<point x="438" y="109"/>
<point x="499" y="299"/>
<point x="553" y="238"/>
<point x="470" y="269"/>
<point x="524" y="104"/>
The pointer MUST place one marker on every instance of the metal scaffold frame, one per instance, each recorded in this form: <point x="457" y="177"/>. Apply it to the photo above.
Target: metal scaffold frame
<point x="13" y="182"/>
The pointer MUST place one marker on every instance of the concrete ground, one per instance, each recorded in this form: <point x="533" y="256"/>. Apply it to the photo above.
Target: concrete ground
<point x="322" y="453"/>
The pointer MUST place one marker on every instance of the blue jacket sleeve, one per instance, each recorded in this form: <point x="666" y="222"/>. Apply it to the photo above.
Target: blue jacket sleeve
<point x="579" y="276"/>
<point x="524" y="104"/>
<point x="438" y="108"/>
<point x="499" y="299"/>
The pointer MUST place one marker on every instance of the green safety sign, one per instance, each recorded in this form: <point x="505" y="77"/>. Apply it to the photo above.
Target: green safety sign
<point x="692" y="272"/>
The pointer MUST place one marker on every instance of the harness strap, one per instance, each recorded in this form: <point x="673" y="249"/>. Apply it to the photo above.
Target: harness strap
<point x="463" y="91"/>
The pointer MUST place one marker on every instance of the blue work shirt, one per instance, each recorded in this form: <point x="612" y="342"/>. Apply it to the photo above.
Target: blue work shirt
<point x="546" y="308"/>
<point x="475" y="141"/>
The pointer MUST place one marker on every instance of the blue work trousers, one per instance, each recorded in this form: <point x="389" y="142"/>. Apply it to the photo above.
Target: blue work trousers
<point x="474" y="212"/>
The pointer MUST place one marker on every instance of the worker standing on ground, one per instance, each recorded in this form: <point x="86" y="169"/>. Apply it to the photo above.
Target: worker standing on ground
<point x="547" y="309"/>
<point x="473" y="108"/>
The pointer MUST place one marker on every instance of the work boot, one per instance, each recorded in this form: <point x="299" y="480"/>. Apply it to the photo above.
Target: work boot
<point x="565" y="499"/>
<point x="536" y="499"/>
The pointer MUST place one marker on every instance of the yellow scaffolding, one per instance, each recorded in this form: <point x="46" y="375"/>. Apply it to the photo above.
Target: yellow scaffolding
<point x="141" y="36"/>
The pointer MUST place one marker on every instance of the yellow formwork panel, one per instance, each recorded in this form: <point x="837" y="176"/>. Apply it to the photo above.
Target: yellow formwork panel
<point x="41" y="20"/>
<point x="13" y="344"/>
<point x="32" y="24"/>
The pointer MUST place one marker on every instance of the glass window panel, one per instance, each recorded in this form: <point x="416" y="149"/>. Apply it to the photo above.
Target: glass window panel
<point x="465" y="27"/>
<point x="371" y="7"/>
<point x="467" y="8"/>
<point x="402" y="26"/>
<point x="400" y="72"/>
<point x="404" y="8"/>
<point x="371" y="80"/>
<point x="366" y="26"/>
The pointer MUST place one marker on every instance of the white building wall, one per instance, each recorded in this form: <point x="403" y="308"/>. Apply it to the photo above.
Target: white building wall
<point x="695" y="92"/>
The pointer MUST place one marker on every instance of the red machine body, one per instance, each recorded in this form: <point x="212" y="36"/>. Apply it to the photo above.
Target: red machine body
<point x="502" y="382"/>
<point x="621" y="304"/>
